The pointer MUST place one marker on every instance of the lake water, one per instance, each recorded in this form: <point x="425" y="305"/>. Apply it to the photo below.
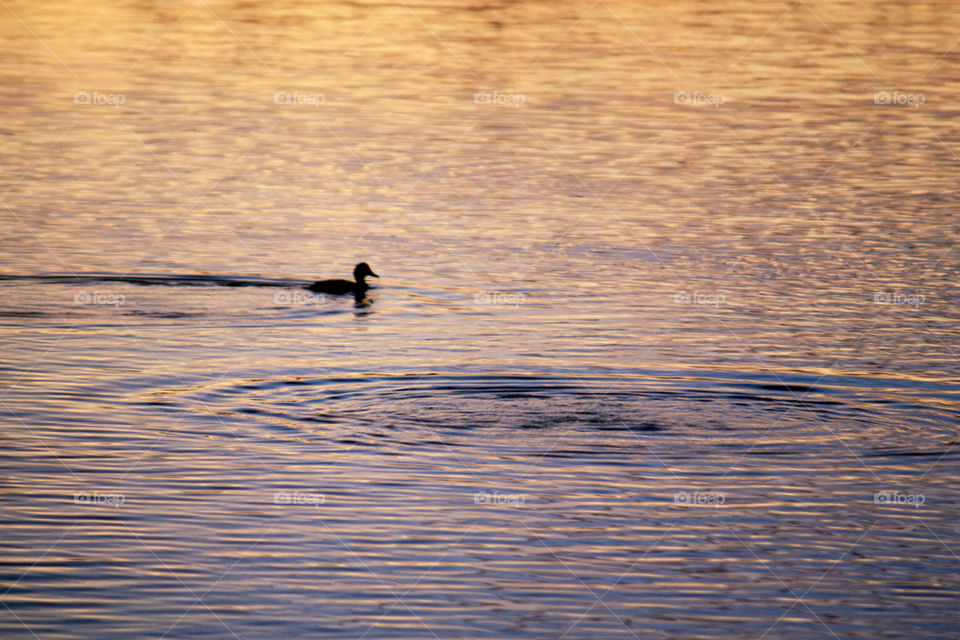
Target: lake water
<point x="664" y="343"/>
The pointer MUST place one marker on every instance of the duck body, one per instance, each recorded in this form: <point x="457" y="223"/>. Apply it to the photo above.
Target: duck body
<point x="358" y="286"/>
<point x="335" y="287"/>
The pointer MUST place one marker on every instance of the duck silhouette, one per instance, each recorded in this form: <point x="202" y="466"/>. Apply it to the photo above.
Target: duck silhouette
<point x="358" y="286"/>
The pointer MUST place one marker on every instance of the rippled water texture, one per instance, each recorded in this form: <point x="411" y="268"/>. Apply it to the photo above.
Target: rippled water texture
<point x="664" y="344"/>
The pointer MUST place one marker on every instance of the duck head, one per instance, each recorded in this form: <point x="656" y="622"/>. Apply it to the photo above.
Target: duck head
<point x="361" y="271"/>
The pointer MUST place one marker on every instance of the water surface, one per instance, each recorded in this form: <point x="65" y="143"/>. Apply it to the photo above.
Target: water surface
<point x="664" y="344"/>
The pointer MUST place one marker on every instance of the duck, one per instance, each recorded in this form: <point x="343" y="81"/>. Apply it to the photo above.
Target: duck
<point x="358" y="286"/>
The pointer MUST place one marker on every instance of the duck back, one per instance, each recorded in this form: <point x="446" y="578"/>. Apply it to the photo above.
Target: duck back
<point x="334" y="287"/>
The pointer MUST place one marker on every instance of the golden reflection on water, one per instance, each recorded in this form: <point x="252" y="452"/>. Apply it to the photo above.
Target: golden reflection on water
<point x="702" y="215"/>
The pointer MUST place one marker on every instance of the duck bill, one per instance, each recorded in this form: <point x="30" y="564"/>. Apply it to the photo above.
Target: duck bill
<point x="373" y="274"/>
